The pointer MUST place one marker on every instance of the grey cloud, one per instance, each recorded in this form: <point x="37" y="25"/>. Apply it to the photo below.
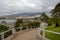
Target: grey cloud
<point x="17" y="6"/>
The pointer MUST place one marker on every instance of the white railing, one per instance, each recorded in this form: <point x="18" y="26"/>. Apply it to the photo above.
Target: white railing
<point x="13" y="31"/>
<point x="43" y="33"/>
<point x="2" y="34"/>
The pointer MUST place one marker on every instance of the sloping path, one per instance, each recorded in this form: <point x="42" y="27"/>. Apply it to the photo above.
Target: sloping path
<point x="29" y="35"/>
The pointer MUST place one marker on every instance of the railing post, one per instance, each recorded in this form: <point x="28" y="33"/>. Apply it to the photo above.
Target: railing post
<point x="13" y="30"/>
<point x="34" y="27"/>
<point x="20" y="28"/>
<point x="31" y="27"/>
<point x="43" y="33"/>
<point x="2" y="36"/>
<point x="38" y="31"/>
<point x="27" y="27"/>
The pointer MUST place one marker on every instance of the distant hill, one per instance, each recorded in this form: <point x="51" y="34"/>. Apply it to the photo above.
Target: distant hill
<point x="25" y="14"/>
<point x="57" y="8"/>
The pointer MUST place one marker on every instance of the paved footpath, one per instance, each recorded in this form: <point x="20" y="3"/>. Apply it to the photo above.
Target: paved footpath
<point x="29" y="35"/>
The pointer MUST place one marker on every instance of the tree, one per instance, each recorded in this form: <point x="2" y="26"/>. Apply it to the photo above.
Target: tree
<point x="33" y="24"/>
<point x="57" y="8"/>
<point x="36" y="24"/>
<point x="56" y="14"/>
<point x="18" y="22"/>
<point x="44" y="17"/>
<point x="49" y="21"/>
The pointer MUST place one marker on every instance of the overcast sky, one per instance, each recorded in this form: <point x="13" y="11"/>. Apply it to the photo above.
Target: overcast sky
<point x="18" y="6"/>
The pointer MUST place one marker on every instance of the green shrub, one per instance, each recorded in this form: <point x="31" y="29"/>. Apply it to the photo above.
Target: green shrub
<point x="3" y="28"/>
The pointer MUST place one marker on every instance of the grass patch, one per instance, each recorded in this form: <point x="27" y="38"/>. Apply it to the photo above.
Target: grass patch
<point x="52" y="36"/>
